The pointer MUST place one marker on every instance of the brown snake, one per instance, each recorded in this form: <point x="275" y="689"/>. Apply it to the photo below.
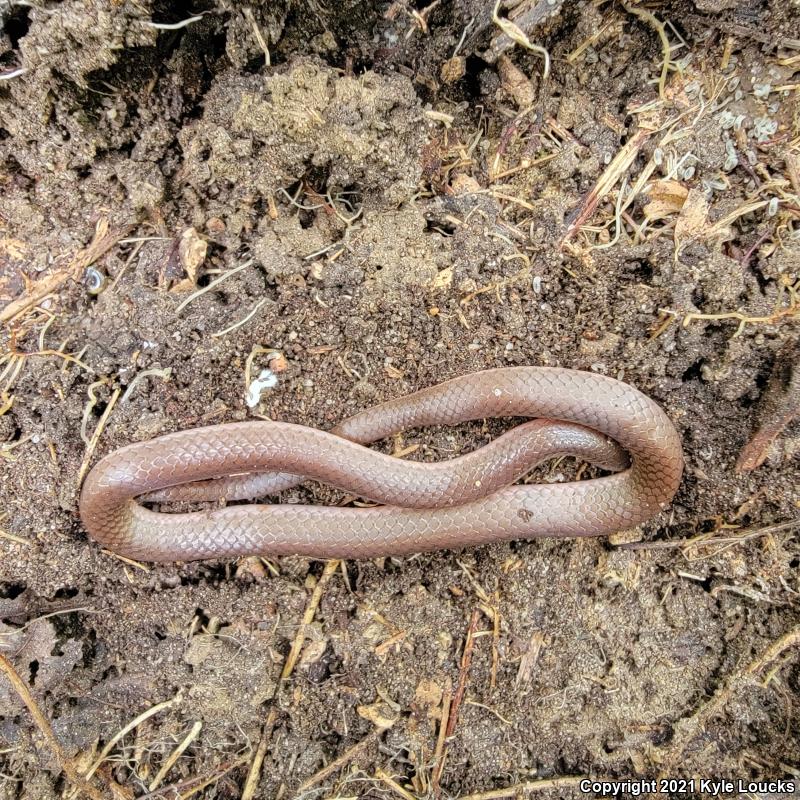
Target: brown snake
<point x="452" y="504"/>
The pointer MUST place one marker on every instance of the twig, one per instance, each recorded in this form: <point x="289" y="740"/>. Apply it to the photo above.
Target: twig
<point x="164" y="374"/>
<point x="491" y="710"/>
<point x="101" y="243"/>
<point x="421" y="18"/>
<point x="745" y="259"/>
<point x="81" y="783"/>
<point x="494" y="608"/>
<point x="43" y="332"/>
<point x="87" y="410"/>
<point x="338" y="763"/>
<point x="519" y="789"/>
<point x="458" y="696"/>
<point x="439" y="752"/>
<point x="12" y="537"/>
<point x="58" y="354"/>
<point x="463" y="675"/>
<point x="14" y="73"/>
<point x="125" y="560"/>
<point x="597" y="34"/>
<point x="514" y="32"/>
<point x="213" y="778"/>
<point x="128" y="261"/>
<point x="781" y="312"/>
<point x="308" y="617"/>
<point x="254" y="773"/>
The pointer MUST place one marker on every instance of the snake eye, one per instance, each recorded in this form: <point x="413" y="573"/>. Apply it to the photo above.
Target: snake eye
<point x="95" y="280"/>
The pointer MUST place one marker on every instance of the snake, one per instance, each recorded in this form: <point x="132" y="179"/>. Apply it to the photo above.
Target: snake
<point x="470" y="500"/>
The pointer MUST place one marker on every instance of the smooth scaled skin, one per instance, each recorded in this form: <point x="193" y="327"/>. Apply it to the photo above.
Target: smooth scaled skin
<point x="453" y="504"/>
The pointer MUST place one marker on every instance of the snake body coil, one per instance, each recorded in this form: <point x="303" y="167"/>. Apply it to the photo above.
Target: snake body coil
<point x="452" y="504"/>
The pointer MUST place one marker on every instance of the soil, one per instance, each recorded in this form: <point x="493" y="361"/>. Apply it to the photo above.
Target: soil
<point x="391" y="195"/>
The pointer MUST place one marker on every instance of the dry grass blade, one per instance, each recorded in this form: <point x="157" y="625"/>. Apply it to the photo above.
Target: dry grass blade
<point x="175" y="755"/>
<point x="124" y="731"/>
<point x="612" y="173"/>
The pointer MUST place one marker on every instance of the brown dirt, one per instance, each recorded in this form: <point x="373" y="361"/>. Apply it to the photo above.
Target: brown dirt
<point x="401" y="191"/>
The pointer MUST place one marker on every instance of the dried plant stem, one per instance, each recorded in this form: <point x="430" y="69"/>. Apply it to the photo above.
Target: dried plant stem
<point x="20" y="687"/>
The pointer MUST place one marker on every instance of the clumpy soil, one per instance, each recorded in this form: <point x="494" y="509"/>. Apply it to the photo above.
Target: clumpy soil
<point x="391" y="195"/>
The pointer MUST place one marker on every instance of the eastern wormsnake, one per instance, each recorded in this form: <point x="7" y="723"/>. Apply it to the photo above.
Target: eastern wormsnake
<point x="453" y="504"/>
